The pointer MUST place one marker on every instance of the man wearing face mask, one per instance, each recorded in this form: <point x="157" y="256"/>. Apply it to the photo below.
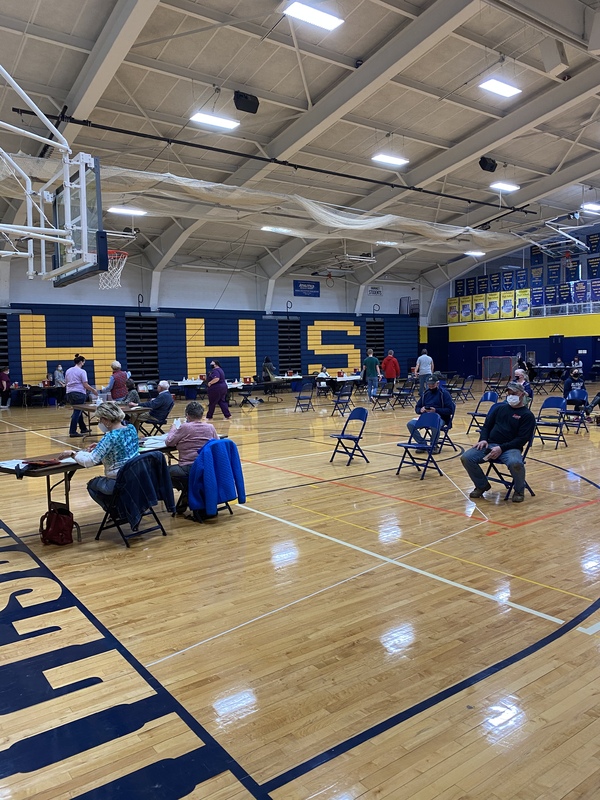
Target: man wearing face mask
<point x="118" y="445"/>
<point x="506" y="430"/>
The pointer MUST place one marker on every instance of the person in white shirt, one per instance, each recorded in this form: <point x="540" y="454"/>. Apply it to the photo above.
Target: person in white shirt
<point x="424" y="369"/>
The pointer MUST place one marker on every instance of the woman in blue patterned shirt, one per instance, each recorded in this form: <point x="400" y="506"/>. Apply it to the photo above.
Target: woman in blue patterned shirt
<point x="118" y="445"/>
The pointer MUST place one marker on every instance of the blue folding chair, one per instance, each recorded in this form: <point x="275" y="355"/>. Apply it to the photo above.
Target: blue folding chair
<point x="349" y="442"/>
<point x="383" y="398"/>
<point x="304" y="397"/>
<point x="342" y="399"/>
<point x="478" y="417"/>
<point x="550" y="421"/>
<point x="403" y="396"/>
<point x="429" y="426"/>
<point x="575" y="417"/>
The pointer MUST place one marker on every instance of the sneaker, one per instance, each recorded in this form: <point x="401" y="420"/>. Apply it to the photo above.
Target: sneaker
<point x="84" y="431"/>
<point x="518" y="498"/>
<point x="75" y="435"/>
<point x="480" y="492"/>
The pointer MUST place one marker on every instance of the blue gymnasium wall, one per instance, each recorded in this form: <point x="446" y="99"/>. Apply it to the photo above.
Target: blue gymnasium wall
<point x="55" y="333"/>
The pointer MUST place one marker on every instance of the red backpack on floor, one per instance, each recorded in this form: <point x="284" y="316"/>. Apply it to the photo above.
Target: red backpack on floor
<point x="56" y="527"/>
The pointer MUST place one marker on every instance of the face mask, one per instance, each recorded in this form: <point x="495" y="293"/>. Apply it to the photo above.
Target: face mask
<point x="102" y="427"/>
<point x="213" y="366"/>
<point x="513" y="399"/>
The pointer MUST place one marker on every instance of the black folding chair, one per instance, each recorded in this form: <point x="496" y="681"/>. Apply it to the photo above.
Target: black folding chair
<point x="550" y="421"/>
<point x="342" y="399"/>
<point x="141" y="483"/>
<point x="403" y="396"/>
<point x="495" y="473"/>
<point x="467" y="389"/>
<point x="350" y="442"/>
<point x="575" y="417"/>
<point x="383" y="398"/>
<point x="429" y="426"/>
<point x="488" y="399"/>
<point x="305" y="396"/>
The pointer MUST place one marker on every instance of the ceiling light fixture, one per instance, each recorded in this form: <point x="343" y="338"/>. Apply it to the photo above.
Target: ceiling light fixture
<point x="313" y="16"/>
<point x="593" y="207"/>
<point x="500" y="87"/>
<point x="388" y="244"/>
<point x="395" y="161"/>
<point x="475" y="253"/>
<point x="217" y="122"/>
<point x="502" y="186"/>
<point x="130" y="212"/>
<point x="272" y="229"/>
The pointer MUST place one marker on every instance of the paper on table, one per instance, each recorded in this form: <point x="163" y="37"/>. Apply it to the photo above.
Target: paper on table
<point x="12" y="464"/>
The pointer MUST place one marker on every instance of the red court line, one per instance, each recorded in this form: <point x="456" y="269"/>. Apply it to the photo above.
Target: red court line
<point x="553" y="514"/>
<point x="377" y="494"/>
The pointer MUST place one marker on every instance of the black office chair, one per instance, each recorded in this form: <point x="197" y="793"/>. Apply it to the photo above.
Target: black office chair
<point x="141" y="483"/>
<point x="346" y="439"/>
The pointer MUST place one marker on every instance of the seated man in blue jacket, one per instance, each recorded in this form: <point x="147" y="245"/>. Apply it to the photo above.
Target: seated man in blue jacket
<point x="574" y="381"/>
<point x="161" y="405"/>
<point x="436" y="399"/>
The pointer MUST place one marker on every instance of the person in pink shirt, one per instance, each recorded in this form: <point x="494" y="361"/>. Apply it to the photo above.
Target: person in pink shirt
<point x="189" y="437"/>
<point x="77" y="387"/>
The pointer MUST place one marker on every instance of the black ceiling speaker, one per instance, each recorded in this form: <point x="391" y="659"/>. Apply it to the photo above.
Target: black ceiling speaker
<point x="487" y="164"/>
<point x="245" y="102"/>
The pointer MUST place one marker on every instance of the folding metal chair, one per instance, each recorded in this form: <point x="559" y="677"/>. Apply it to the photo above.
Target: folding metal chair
<point x="478" y="417"/>
<point x="342" y="399"/>
<point x="349" y="442"/>
<point x="575" y="417"/>
<point x="403" y="396"/>
<point x="494" y="473"/>
<point x="467" y="389"/>
<point x="383" y="398"/>
<point x="429" y="426"/>
<point x="455" y="387"/>
<point x="494" y="382"/>
<point x="305" y="396"/>
<point x="550" y="421"/>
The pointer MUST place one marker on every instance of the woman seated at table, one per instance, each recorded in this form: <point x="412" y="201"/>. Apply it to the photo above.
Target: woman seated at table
<point x="132" y="395"/>
<point x="189" y="437"/>
<point x="118" y="445"/>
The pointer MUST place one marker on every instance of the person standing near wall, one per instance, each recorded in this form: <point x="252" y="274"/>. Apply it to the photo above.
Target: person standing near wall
<point x="391" y="368"/>
<point x="372" y="373"/>
<point x="217" y="391"/>
<point x="4" y="387"/>
<point x="423" y="369"/>
<point x="77" y="389"/>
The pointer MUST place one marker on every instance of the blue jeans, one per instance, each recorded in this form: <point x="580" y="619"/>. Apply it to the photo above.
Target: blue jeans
<point x="100" y="489"/>
<point x="513" y="459"/>
<point x="76" y="399"/>
<point x="372" y="386"/>
<point x="411" y="425"/>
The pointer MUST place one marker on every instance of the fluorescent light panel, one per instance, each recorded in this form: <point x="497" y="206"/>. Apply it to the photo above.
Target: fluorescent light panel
<point x="383" y="158"/>
<point x="499" y="87"/>
<point x="388" y="244"/>
<point x="475" y="253"/>
<point x="502" y="186"/>
<point x="313" y="16"/>
<point x="130" y="212"/>
<point x="217" y="122"/>
<point x="271" y="229"/>
<point x="594" y="207"/>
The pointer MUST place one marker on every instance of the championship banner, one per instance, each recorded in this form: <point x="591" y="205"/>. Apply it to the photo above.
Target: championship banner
<point x="452" y="309"/>
<point x="553" y="274"/>
<point x="572" y="270"/>
<point x="478" y="307"/>
<point x="466" y="309"/>
<point x="537" y="277"/>
<point x="493" y="304"/>
<point x="459" y="287"/>
<point x="550" y="295"/>
<point x="593" y="242"/>
<point x="495" y="281"/>
<point x="595" y="289"/>
<point x="507" y="308"/>
<point x="523" y="300"/>
<point x="580" y="292"/>
<point x="536" y="257"/>
<point x="471" y="286"/>
<point x="593" y="268"/>
<point x="537" y="296"/>
<point x="521" y="278"/>
<point x="508" y="281"/>
<point x="482" y="284"/>
<point x="564" y="293"/>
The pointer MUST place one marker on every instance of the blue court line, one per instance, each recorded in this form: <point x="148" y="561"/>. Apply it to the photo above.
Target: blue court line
<point x="22" y="684"/>
<point x="565" y="469"/>
<point x="424" y="705"/>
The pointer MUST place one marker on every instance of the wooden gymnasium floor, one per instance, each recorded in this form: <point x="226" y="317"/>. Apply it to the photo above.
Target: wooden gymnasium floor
<point x="347" y="634"/>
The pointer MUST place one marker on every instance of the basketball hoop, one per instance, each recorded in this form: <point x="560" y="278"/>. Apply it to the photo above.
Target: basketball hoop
<point x="112" y="278"/>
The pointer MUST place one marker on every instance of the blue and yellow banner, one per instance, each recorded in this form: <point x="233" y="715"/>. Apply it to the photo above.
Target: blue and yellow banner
<point x="550" y="295"/>
<point x="507" y="308"/>
<point x="466" y="309"/>
<point x="595" y="289"/>
<point x="495" y="282"/>
<point x="452" y="310"/>
<point x="523" y="301"/>
<point x="508" y="281"/>
<point x="471" y="286"/>
<point x="553" y="278"/>
<point x="593" y="268"/>
<point x="564" y="293"/>
<point x="522" y="279"/>
<point x="493" y="305"/>
<point x="482" y="284"/>
<point x="537" y="297"/>
<point x="459" y="287"/>
<point x="478" y="307"/>
<point x="536" y="257"/>
<point x="537" y="277"/>
<point x="580" y="292"/>
<point x="572" y="270"/>
<point x="593" y="242"/>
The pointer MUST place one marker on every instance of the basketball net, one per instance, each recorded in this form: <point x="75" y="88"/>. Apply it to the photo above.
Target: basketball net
<point x="112" y="278"/>
<point x="567" y="261"/>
